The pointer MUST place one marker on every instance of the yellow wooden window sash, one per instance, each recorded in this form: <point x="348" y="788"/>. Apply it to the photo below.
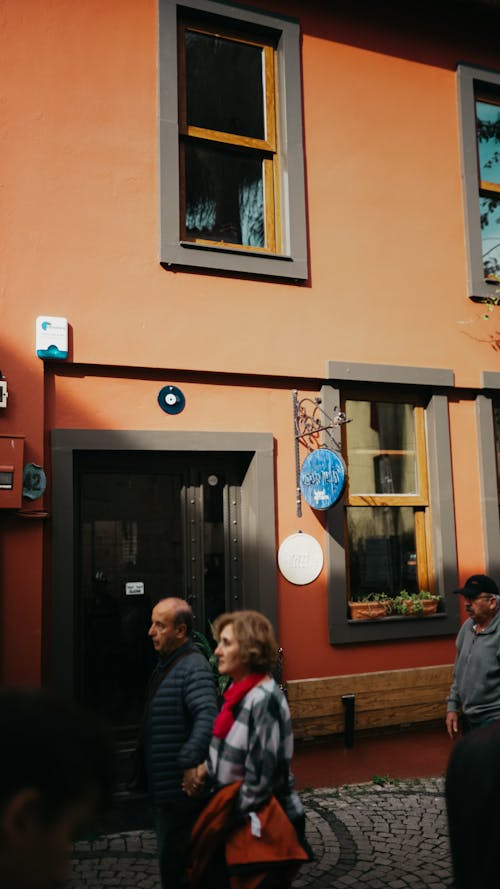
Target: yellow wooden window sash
<point x="481" y="96"/>
<point x="421" y="549"/>
<point x="266" y="147"/>
<point x="422" y="474"/>
<point x="489" y="186"/>
<point x="386" y="500"/>
<point x="270" y="226"/>
<point x="269" y="205"/>
<point x="227" y="138"/>
<point x="419" y="502"/>
<point x="421" y="498"/>
<point x="268" y="51"/>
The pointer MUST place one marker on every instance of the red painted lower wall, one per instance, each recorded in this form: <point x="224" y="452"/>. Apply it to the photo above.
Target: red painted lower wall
<point x="422" y="753"/>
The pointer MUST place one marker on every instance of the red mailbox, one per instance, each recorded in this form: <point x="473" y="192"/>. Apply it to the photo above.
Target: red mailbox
<point x="11" y="471"/>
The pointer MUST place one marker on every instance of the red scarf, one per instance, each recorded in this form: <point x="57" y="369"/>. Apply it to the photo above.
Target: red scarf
<point x="234" y="694"/>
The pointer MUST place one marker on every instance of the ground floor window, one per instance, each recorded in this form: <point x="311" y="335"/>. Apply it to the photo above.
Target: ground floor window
<point x="393" y="534"/>
<point x="387" y="505"/>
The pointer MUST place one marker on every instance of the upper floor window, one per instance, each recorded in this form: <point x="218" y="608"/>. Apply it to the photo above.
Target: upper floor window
<point x="480" y="123"/>
<point x="488" y="145"/>
<point x="227" y="127"/>
<point x="231" y="140"/>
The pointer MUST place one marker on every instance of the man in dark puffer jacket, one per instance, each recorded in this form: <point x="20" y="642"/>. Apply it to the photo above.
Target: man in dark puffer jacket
<point x="181" y="709"/>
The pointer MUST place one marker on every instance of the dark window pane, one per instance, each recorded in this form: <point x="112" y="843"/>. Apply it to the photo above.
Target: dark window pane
<point x="224" y="196"/>
<point x="488" y="139"/>
<point x="382" y="550"/>
<point x="381" y="448"/>
<point x="490" y="236"/>
<point x="224" y="85"/>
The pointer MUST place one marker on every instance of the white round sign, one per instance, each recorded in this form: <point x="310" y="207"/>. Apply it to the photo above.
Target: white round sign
<point x="300" y="558"/>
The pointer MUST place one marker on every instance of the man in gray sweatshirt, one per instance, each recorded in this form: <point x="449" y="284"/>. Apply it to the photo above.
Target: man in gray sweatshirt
<point x="475" y="692"/>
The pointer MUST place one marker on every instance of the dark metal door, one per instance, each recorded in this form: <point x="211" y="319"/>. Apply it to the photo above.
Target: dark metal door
<point x="150" y="526"/>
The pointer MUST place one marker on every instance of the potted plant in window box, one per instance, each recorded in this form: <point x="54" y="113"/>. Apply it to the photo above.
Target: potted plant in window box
<point x="417" y="604"/>
<point x="371" y="607"/>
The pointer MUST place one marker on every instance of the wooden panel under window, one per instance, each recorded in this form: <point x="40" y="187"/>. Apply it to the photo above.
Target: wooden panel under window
<point x="389" y="697"/>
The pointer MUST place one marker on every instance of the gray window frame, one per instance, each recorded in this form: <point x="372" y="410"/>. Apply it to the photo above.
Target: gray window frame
<point x="433" y="382"/>
<point x="259" y="583"/>
<point x="488" y="481"/>
<point x="467" y="77"/>
<point x="292" y="262"/>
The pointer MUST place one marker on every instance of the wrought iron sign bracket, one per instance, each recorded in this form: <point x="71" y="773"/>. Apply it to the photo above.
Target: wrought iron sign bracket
<point x="314" y="429"/>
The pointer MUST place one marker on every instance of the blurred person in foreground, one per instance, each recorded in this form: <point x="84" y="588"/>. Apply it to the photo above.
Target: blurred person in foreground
<point x="472" y="800"/>
<point x="475" y="693"/>
<point x="56" y="775"/>
<point x="252" y="829"/>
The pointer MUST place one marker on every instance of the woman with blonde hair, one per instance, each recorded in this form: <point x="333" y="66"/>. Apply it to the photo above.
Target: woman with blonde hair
<point x="249" y="765"/>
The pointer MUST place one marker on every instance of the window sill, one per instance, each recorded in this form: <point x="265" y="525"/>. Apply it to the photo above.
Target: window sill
<point x="397" y="618"/>
<point x="190" y="255"/>
<point x="261" y="253"/>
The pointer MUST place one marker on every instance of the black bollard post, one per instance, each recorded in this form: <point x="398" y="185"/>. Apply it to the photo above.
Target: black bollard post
<point x="349" y="703"/>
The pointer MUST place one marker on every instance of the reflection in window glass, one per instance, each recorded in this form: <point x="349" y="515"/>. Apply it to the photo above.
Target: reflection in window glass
<point x="490" y="236"/>
<point x="382" y="550"/>
<point x="381" y="448"/>
<point x="224" y="85"/>
<point x="224" y="196"/>
<point x="488" y="140"/>
<point x="488" y="146"/>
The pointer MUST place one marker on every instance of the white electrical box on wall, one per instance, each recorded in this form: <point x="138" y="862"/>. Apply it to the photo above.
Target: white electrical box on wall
<point x="51" y="337"/>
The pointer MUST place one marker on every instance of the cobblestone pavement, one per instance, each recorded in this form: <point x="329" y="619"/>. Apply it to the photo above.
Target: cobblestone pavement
<point x="373" y="836"/>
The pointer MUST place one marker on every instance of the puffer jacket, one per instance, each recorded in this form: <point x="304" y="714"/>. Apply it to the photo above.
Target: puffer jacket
<point x="179" y="722"/>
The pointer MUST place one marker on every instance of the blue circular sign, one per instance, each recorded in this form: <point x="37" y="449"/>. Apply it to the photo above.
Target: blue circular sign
<point x="322" y="478"/>
<point x="34" y="481"/>
<point x="171" y="400"/>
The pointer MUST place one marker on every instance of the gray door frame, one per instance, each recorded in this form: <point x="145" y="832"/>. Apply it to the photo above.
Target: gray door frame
<point x="259" y="587"/>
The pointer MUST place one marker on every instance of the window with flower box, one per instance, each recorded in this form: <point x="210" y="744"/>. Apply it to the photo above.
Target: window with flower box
<point x="395" y="529"/>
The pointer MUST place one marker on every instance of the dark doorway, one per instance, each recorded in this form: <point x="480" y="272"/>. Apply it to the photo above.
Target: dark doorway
<point x="149" y="525"/>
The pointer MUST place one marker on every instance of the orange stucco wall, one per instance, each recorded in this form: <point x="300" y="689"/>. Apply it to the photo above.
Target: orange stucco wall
<point x="383" y="190"/>
<point x="79" y="212"/>
<point x="87" y="400"/>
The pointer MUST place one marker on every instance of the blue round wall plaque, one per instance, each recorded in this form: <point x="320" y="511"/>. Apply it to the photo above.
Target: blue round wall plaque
<point x="171" y="400"/>
<point x="322" y="478"/>
<point x="34" y="481"/>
